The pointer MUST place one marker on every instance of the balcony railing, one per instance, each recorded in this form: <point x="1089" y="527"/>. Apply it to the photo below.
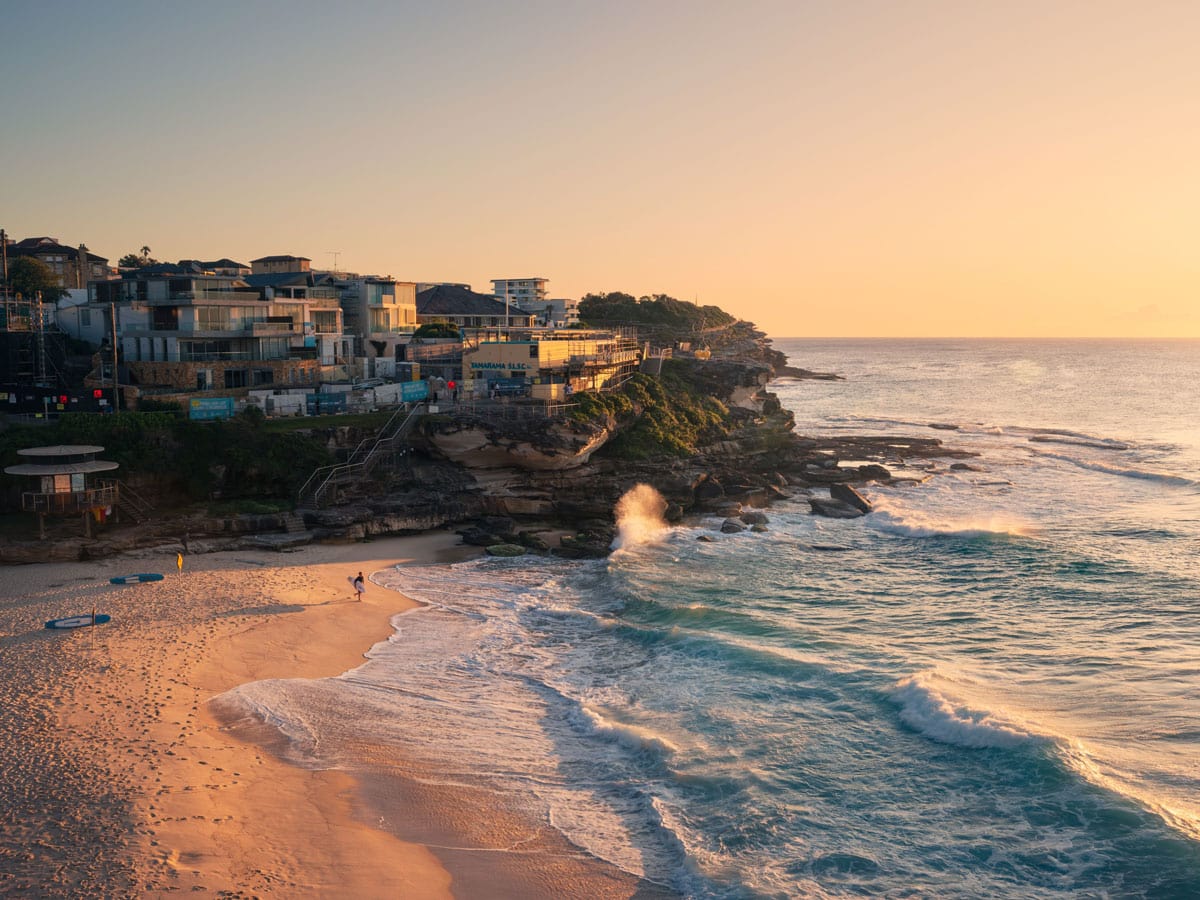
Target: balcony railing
<point x="240" y="297"/>
<point x="104" y="494"/>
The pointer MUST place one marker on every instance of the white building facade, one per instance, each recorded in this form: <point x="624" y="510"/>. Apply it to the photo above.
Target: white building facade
<point x="527" y="293"/>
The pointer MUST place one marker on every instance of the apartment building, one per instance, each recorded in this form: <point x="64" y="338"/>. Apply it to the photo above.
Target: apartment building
<point x="380" y="312"/>
<point x="183" y="328"/>
<point x="528" y="293"/>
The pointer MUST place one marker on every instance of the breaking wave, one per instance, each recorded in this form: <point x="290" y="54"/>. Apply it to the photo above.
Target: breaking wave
<point x="923" y="708"/>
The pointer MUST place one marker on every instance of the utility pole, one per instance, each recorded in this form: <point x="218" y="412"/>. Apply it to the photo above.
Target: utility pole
<point x="335" y="254"/>
<point x="4" y="253"/>
<point x="112" y="308"/>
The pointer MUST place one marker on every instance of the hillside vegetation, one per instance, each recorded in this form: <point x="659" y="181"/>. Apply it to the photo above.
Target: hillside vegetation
<point x="241" y="457"/>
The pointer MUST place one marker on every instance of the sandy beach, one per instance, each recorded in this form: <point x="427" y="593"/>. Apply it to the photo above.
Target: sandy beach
<point x="121" y="779"/>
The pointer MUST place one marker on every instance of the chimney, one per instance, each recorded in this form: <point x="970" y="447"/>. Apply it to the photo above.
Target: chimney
<point x="81" y="264"/>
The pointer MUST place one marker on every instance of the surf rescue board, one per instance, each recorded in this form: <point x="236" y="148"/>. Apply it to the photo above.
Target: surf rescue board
<point x="134" y="579"/>
<point x="78" y="621"/>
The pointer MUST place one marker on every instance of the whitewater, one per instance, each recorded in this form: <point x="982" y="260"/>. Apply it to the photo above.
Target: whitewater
<point x="986" y="688"/>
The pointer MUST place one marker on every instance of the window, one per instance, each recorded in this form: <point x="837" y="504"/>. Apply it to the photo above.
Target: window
<point x="533" y="351"/>
<point x="211" y="318"/>
<point x="235" y="378"/>
<point x="85" y="317"/>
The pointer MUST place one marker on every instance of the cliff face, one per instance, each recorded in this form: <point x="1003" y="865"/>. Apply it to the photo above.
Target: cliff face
<point x="525" y="445"/>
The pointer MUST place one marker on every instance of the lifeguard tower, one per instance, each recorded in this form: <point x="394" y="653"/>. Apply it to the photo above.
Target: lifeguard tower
<point x="67" y="485"/>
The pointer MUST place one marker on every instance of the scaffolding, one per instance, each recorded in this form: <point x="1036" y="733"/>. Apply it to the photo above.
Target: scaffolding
<point x="32" y="349"/>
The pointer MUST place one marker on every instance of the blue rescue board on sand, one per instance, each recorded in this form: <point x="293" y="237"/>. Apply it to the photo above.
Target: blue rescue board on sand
<point x="78" y="621"/>
<point x="134" y="579"/>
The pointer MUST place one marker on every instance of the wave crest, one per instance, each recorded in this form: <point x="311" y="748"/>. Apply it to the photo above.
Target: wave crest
<point x="922" y="707"/>
<point x="907" y="523"/>
<point x="1119" y="471"/>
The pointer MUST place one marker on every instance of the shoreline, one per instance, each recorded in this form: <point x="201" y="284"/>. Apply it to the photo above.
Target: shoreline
<point x="169" y="794"/>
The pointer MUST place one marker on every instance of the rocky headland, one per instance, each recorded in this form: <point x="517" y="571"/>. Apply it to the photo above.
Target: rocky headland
<point x="515" y="481"/>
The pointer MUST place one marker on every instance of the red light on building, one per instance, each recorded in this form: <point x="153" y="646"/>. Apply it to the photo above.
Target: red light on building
<point x="97" y="393"/>
<point x="452" y="384"/>
<point x="62" y="398"/>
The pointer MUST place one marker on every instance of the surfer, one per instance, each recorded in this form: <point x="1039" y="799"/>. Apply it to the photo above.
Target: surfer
<point x="360" y="586"/>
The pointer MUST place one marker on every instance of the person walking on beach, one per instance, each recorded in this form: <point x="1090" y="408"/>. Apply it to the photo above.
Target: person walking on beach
<point x="360" y="587"/>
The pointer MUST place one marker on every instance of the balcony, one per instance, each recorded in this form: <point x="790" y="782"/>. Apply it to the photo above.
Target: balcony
<point x="271" y="329"/>
<point x="65" y="504"/>
<point x="239" y="298"/>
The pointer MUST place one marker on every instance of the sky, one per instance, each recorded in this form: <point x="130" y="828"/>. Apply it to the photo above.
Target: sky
<point x="907" y="169"/>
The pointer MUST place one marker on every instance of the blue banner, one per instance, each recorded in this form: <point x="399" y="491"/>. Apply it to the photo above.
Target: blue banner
<point x="210" y="408"/>
<point x="413" y="390"/>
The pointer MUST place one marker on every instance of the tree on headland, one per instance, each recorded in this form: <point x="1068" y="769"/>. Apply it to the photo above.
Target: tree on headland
<point x="618" y="308"/>
<point x="27" y="276"/>
<point x="137" y="260"/>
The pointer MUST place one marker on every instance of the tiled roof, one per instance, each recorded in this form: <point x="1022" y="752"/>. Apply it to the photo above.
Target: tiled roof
<point x="38" y="245"/>
<point x="276" y="279"/>
<point x="449" y="300"/>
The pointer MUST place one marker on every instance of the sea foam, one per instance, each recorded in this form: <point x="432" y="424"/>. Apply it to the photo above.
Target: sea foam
<point x="930" y="712"/>
<point x="889" y="517"/>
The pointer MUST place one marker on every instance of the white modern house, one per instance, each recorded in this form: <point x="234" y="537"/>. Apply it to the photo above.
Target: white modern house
<point x="527" y="293"/>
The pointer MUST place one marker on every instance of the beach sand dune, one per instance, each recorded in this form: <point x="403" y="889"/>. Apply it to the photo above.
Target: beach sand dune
<point x="119" y="779"/>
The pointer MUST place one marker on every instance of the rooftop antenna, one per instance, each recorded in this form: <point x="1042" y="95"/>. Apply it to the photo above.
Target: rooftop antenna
<point x="335" y="254"/>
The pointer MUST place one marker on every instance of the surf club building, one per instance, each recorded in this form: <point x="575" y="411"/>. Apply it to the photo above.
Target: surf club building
<point x="62" y="482"/>
<point x="550" y="365"/>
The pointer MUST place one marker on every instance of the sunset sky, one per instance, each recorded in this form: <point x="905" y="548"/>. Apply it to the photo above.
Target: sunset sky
<point x="824" y="169"/>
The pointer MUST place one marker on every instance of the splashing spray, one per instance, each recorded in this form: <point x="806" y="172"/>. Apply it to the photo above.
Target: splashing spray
<point x="639" y="517"/>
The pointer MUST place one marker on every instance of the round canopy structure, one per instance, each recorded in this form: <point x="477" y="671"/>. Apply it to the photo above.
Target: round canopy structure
<point x="61" y="459"/>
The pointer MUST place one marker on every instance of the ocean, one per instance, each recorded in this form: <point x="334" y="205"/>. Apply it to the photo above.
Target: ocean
<point x="989" y="687"/>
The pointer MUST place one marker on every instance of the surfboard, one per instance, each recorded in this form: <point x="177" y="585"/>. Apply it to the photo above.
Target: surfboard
<point x="134" y="579"/>
<point x="78" y="621"/>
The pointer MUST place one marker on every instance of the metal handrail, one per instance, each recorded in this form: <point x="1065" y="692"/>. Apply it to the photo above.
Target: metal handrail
<point x="361" y="460"/>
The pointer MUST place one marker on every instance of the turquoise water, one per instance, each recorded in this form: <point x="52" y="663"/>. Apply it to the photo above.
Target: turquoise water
<point x="986" y="688"/>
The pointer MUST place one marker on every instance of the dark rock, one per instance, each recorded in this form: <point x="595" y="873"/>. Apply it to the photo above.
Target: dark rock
<point x="759" y="528"/>
<point x="477" y="537"/>
<point x="848" y="495"/>
<point x="505" y="550"/>
<point x="500" y="525"/>
<point x="732" y="526"/>
<point x="673" y="512"/>
<point x="754" y="518"/>
<point x="708" y="539"/>
<point x="875" y="472"/>
<point x="533" y="541"/>
<point x="834" y="509"/>
<point x="708" y="489"/>
<point x="776" y="493"/>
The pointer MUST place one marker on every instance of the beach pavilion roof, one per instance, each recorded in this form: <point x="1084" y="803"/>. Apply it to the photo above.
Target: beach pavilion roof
<point x="61" y="459"/>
